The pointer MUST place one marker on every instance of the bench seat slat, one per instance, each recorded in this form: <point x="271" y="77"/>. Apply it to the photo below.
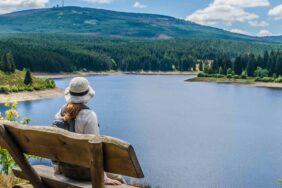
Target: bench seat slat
<point x="53" y="180"/>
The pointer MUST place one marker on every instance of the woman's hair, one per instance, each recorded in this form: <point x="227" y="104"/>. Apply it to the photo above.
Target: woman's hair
<point x="72" y="111"/>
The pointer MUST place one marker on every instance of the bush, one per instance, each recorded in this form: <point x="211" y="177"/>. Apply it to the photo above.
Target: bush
<point x="52" y="84"/>
<point x="201" y="74"/>
<point x="236" y="77"/>
<point x="243" y="76"/>
<point x="278" y="80"/>
<point x="4" y="89"/>
<point x="230" y="71"/>
<point x="265" y="79"/>
<point x="30" y="88"/>
<point x="14" y="89"/>
<point x="219" y="76"/>
<point x="21" y="89"/>
<point x="261" y="72"/>
<point x="37" y="88"/>
<point x="6" y="161"/>
<point x="229" y="76"/>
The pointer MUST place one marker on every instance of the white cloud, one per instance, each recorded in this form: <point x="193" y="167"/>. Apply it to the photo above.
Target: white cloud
<point x="12" y="5"/>
<point x="240" y="31"/>
<point x="242" y="3"/>
<point x="276" y="12"/>
<point x="139" y="5"/>
<point x="258" y="24"/>
<point x="264" y="32"/>
<point x="99" y="1"/>
<point x="227" y="12"/>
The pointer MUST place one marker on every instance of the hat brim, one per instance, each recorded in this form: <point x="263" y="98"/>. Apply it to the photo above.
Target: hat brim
<point x="79" y="99"/>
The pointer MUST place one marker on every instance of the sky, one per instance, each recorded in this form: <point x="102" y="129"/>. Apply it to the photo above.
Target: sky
<point x="251" y="17"/>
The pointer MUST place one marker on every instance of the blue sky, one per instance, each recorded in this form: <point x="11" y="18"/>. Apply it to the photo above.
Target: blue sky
<point x="253" y="17"/>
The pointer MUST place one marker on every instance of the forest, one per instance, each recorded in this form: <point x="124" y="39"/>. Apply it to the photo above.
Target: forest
<point x="266" y="67"/>
<point x="73" y="52"/>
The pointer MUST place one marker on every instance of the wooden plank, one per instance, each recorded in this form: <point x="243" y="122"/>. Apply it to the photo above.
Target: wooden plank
<point x="97" y="165"/>
<point x="20" y="159"/>
<point x="23" y="185"/>
<point x="56" y="180"/>
<point x="60" y="145"/>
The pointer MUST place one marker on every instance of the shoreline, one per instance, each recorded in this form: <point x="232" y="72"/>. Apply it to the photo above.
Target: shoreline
<point x="106" y="73"/>
<point x="56" y="92"/>
<point x="52" y="93"/>
<point x="30" y="96"/>
<point x="268" y="85"/>
<point x="247" y="82"/>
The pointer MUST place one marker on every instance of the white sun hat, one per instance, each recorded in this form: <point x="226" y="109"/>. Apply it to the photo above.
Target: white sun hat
<point x="79" y="91"/>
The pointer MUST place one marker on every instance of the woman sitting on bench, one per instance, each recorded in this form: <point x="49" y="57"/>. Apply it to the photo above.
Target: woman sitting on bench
<point x="76" y="117"/>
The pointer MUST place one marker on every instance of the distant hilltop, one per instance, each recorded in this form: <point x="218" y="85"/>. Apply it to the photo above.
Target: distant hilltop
<point x="108" y="23"/>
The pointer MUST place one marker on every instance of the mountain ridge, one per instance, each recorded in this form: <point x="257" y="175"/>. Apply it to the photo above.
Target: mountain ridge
<point x="111" y="23"/>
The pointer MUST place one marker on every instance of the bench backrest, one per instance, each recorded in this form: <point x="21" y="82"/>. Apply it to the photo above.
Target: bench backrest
<point x="60" y="145"/>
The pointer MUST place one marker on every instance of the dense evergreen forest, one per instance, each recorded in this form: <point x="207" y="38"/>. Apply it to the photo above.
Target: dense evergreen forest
<point x="70" y="52"/>
<point x="266" y="65"/>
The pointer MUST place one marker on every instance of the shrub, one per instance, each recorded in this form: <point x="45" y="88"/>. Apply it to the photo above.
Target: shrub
<point x="229" y="76"/>
<point x="259" y="72"/>
<point x="52" y="84"/>
<point x="236" y="77"/>
<point x="243" y="76"/>
<point x="37" y="88"/>
<point x="265" y="79"/>
<point x="4" y="89"/>
<point x="201" y="74"/>
<point x="30" y="88"/>
<point x="21" y="89"/>
<point x="278" y="80"/>
<point x="229" y="71"/>
<point x="6" y="161"/>
<point x="14" y="89"/>
<point x="219" y="76"/>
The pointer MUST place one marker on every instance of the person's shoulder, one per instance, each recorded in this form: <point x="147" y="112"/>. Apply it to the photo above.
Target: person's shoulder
<point x="87" y="112"/>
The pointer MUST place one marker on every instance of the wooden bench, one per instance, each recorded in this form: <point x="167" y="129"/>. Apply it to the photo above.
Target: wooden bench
<point x="99" y="153"/>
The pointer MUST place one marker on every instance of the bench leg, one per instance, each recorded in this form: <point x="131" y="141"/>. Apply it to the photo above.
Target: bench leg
<point x="97" y="165"/>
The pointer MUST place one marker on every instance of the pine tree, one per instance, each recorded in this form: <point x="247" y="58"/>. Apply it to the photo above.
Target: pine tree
<point x="251" y="65"/>
<point x="201" y="66"/>
<point x="279" y="65"/>
<point x="237" y="67"/>
<point x="220" y="71"/>
<point x="8" y="63"/>
<point x="265" y="60"/>
<point x="11" y="61"/>
<point x="28" y="78"/>
<point x="5" y="66"/>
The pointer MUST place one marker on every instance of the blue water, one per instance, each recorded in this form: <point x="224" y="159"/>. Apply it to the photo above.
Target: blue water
<point x="187" y="135"/>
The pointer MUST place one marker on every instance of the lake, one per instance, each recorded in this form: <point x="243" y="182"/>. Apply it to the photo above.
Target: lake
<point x="197" y="135"/>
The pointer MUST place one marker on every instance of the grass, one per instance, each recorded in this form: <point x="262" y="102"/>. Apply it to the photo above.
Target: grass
<point x="7" y="181"/>
<point x="249" y="80"/>
<point x="15" y="83"/>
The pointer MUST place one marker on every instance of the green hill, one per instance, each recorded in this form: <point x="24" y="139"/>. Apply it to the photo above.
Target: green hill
<point x="107" y="23"/>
